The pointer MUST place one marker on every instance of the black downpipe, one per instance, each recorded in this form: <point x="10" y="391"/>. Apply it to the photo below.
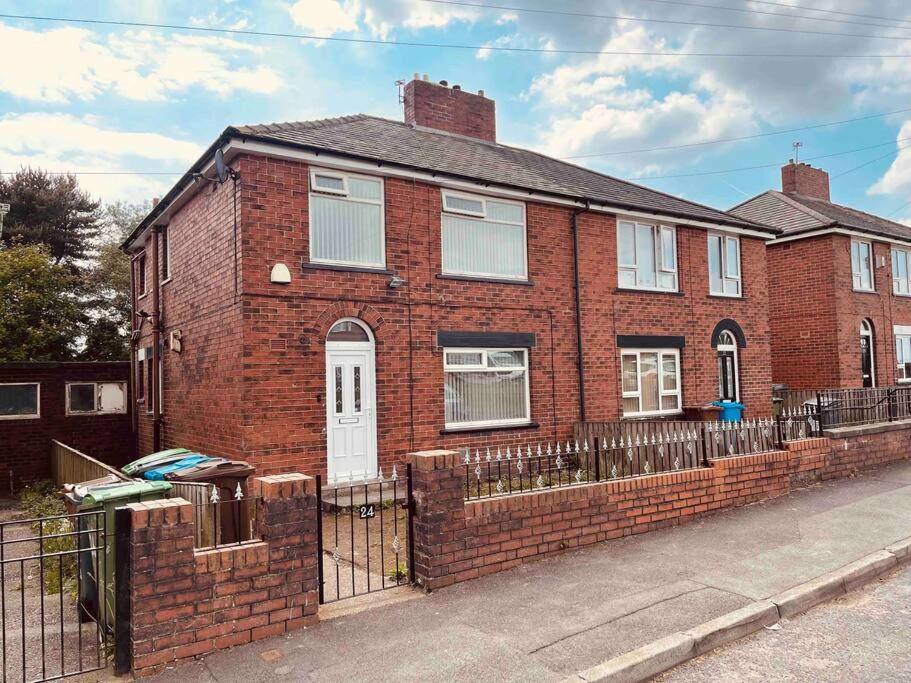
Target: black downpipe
<point x="580" y="350"/>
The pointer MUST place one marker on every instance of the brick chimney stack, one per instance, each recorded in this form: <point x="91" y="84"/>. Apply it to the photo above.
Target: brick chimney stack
<point x="803" y="179"/>
<point x="436" y="105"/>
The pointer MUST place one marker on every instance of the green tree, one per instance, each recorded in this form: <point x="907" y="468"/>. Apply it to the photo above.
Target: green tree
<point x="40" y="315"/>
<point x="51" y="210"/>
<point x="107" y="283"/>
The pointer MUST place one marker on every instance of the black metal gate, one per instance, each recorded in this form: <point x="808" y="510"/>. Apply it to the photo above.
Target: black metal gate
<point x="365" y="536"/>
<point x="56" y="606"/>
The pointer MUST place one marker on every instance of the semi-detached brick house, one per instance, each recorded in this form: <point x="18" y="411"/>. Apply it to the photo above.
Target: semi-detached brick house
<point x="362" y="288"/>
<point x="839" y="287"/>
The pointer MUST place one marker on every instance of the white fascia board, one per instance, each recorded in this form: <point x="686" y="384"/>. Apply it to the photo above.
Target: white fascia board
<point x="329" y="160"/>
<point x="865" y="236"/>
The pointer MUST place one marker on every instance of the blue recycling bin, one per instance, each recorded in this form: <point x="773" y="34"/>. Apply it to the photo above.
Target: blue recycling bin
<point x="191" y="460"/>
<point x="731" y="411"/>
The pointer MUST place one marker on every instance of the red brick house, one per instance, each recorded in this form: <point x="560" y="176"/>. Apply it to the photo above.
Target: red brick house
<point x="357" y="288"/>
<point x="839" y="287"/>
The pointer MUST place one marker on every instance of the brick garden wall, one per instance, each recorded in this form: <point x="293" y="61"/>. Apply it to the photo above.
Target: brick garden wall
<point x="457" y="540"/>
<point x="188" y="602"/>
<point x="25" y="444"/>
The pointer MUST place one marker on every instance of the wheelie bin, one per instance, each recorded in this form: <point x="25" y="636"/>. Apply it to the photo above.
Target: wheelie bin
<point x="153" y="460"/>
<point x="190" y="460"/>
<point x="97" y="569"/>
<point x="229" y="519"/>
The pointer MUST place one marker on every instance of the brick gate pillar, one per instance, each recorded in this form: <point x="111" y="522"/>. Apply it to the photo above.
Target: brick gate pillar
<point x="439" y="517"/>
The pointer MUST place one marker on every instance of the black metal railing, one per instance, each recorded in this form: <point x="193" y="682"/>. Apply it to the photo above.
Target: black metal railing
<point x="224" y="522"/>
<point x="365" y="535"/>
<point x="56" y="602"/>
<point x="618" y="450"/>
<point x="851" y="407"/>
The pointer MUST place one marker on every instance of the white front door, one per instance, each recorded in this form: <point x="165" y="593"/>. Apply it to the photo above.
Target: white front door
<point x="350" y="402"/>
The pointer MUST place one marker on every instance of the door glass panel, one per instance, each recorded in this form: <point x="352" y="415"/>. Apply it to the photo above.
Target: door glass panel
<point x="339" y="401"/>
<point x="357" y="388"/>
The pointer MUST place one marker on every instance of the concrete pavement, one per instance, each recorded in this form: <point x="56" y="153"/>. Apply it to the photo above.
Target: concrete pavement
<point x="862" y="636"/>
<point x="549" y="619"/>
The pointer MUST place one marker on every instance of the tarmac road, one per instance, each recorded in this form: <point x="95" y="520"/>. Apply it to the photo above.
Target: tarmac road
<point x="863" y="636"/>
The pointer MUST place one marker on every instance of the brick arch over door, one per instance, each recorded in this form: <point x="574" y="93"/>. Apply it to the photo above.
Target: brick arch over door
<point x="730" y="326"/>
<point x="347" y="309"/>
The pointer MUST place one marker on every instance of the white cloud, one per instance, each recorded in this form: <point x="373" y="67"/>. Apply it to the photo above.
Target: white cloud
<point x="71" y="63"/>
<point x="326" y="17"/>
<point x="62" y="142"/>
<point x="897" y="177"/>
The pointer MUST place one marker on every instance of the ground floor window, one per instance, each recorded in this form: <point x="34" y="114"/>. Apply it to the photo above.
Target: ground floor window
<point x="486" y="387"/>
<point x="19" y="401"/>
<point x="95" y="398"/>
<point x="903" y="356"/>
<point x="651" y="381"/>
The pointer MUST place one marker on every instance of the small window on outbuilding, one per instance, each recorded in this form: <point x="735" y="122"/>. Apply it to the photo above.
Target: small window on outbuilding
<point x="19" y="400"/>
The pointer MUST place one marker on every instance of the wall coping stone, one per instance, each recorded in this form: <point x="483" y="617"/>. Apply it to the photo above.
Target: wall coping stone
<point x="863" y="430"/>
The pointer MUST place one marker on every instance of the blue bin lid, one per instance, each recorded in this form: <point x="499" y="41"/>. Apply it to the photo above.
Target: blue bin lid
<point x="191" y="460"/>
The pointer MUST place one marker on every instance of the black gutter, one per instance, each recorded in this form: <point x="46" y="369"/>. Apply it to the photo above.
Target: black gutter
<point x="580" y="350"/>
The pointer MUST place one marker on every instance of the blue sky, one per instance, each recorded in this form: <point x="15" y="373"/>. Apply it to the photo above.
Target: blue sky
<point x="99" y="98"/>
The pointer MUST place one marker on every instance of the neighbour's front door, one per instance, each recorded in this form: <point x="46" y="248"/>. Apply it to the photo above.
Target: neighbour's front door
<point x="866" y="361"/>
<point x="351" y="432"/>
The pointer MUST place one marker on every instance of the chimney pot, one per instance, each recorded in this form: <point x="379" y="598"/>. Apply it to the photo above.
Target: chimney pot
<point x="444" y="83"/>
<point x="480" y="93"/>
<point x="426" y="77"/>
<point x="457" y="87"/>
<point x="417" y="76"/>
<point x="155" y="201"/>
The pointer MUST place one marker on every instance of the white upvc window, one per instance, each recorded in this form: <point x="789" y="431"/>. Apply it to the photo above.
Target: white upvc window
<point x="20" y="400"/>
<point x="901" y="267"/>
<point x="95" y="398"/>
<point x="483" y="237"/>
<point x="347" y="225"/>
<point x="647" y="256"/>
<point x="724" y="265"/>
<point x="486" y="387"/>
<point x="650" y="382"/>
<point x="902" y="353"/>
<point x="862" y="265"/>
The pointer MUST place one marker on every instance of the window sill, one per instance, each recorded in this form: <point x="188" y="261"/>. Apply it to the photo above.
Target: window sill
<point x="865" y="291"/>
<point x="164" y="282"/>
<point x="906" y="296"/>
<point x="480" y="278"/>
<point x="142" y="296"/>
<point x="647" y="416"/>
<point x="20" y="417"/>
<point x="343" y="268"/>
<point x="726" y="296"/>
<point x="636" y="290"/>
<point x="496" y="428"/>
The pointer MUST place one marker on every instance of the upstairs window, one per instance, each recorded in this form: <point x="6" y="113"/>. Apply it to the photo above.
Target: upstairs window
<point x="165" y="255"/>
<point x="651" y="382"/>
<point x="862" y="265"/>
<point x="346" y="220"/>
<point x="647" y="256"/>
<point x="724" y="265"/>
<point x="483" y="237"/>
<point x="486" y="387"/>
<point x="901" y="263"/>
<point x="141" y="274"/>
<point x="95" y="398"/>
<point x="19" y="401"/>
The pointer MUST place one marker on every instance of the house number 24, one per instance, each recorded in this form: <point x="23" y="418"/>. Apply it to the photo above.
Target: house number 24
<point x="367" y="511"/>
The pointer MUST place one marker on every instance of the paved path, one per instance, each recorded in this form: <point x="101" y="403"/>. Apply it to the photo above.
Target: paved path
<point x="862" y="636"/>
<point x="548" y="619"/>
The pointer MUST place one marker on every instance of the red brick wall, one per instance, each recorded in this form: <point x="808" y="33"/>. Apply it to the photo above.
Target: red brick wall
<point x="815" y="314"/>
<point x="457" y="540"/>
<point x="25" y="444"/>
<point x="455" y="111"/>
<point x="251" y="380"/>
<point x="201" y="406"/>
<point x="187" y="603"/>
<point x="806" y="180"/>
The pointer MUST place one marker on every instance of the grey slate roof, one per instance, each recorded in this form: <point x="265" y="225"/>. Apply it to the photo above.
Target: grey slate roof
<point x="397" y="143"/>
<point x="794" y="213"/>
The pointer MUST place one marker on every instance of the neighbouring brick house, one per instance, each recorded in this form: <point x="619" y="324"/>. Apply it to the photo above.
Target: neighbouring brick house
<point x="357" y="288"/>
<point x="83" y="405"/>
<point x="839" y="287"/>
